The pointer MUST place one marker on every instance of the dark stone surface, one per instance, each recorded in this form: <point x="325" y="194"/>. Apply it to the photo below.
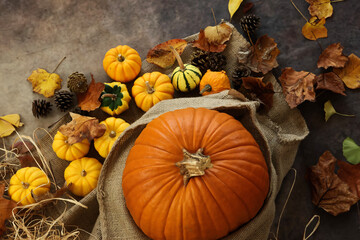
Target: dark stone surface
<point x="38" y="33"/>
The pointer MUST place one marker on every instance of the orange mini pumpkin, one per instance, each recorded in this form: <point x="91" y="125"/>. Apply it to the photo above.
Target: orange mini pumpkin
<point x="194" y="174"/>
<point x="122" y="63"/>
<point x="214" y="82"/>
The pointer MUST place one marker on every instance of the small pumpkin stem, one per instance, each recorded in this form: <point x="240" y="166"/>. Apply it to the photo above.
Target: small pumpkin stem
<point x="25" y="185"/>
<point x="178" y="58"/>
<point x="112" y="134"/>
<point x="207" y="88"/>
<point x="121" y="58"/>
<point x="83" y="173"/>
<point x="110" y="95"/>
<point x="193" y="164"/>
<point x="149" y="88"/>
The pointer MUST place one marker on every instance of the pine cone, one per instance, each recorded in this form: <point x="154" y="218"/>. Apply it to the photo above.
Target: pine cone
<point x="77" y="82"/>
<point x="63" y="100"/>
<point x="249" y="23"/>
<point x="241" y="71"/>
<point x="208" y="60"/>
<point x="40" y="108"/>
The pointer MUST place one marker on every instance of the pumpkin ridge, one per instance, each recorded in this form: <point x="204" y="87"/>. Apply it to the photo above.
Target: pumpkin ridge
<point x="191" y="196"/>
<point x="214" y="175"/>
<point x="204" y="200"/>
<point x="213" y="134"/>
<point x="153" y="196"/>
<point x="222" y="143"/>
<point x="217" y="156"/>
<point x="166" y="126"/>
<point x="216" y="162"/>
<point x="217" y="203"/>
<point x="242" y="176"/>
<point x="193" y="79"/>
<point x="148" y="180"/>
<point x="177" y="186"/>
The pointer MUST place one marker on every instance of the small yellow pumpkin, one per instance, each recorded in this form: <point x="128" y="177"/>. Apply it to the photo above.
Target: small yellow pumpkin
<point x="214" y="82"/>
<point x="185" y="77"/>
<point x="114" y="127"/>
<point x="122" y="63"/>
<point x="67" y="151"/>
<point x="82" y="175"/>
<point x="115" y="98"/>
<point x="25" y="181"/>
<point x="152" y="88"/>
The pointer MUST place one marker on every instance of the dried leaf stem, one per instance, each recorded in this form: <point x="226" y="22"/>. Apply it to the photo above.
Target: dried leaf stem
<point x="58" y="64"/>
<point x="299" y="11"/>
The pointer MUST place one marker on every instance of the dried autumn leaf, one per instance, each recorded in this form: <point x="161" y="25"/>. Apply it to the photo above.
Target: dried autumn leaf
<point x="247" y="7"/>
<point x="8" y="124"/>
<point x="330" y="81"/>
<point x="314" y="29"/>
<point x="262" y="56"/>
<point x="233" y="6"/>
<point x="264" y="91"/>
<point x="82" y="127"/>
<point x="50" y="195"/>
<point x="320" y="8"/>
<point x="14" y="119"/>
<point x="330" y="110"/>
<point x="328" y="191"/>
<point x="351" y="175"/>
<point x="297" y="86"/>
<point x="350" y="74"/>
<point x="162" y="56"/>
<point x="45" y="83"/>
<point x="89" y="100"/>
<point x="332" y="56"/>
<point x="213" y="38"/>
<point x="6" y="209"/>
<point x="351" y="151"/>
<point x="26" y="159"/>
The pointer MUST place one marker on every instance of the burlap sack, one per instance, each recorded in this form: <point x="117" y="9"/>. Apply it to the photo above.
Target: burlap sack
<point x="278" y="133"/>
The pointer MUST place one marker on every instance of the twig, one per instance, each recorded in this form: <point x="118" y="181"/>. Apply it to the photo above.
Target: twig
<point x="299" y="11"/>
<point x="58" y="64"/>
<point x="212" y="10"/>
<point x="248" y="33"/>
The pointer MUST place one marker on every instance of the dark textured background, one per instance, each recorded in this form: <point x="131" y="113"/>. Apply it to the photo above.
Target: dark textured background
<point x="37" y="33"/>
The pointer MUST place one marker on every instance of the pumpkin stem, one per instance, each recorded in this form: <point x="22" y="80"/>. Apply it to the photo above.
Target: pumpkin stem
<point x="178" y="58"/>
<point x="110" y="95"/>
<point x="193" y="164"/>
<point x="83" y="173"/>
<point x="121" y="58"/>
<point x="207" y="88"/>
<point x="112" y="134"/>
<point x="25" y="185"/>
<point x="149" y="88"/>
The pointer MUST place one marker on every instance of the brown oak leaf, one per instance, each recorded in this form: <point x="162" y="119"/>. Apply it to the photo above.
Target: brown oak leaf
<point x="320" y="8"/>
<point x="297" y="86"/>
<point x="162" y="56"/>
<point x="213" y="38"/>
<point x="332" y="56"/>
<point x="314" y="29"/>
<point x="262" y="56"/>
<point x="50" y="195"/>
<point x="350" y="74"/>
<point x="6" y="209"/>
<point x="351" y="175"/>
<point x="82" y="127"/>
<point x="328" y="191"/>
<point x="89" y="100"/>
<point x="330" y="81"/>
<point x="264" y="91"/>
<point x="23" y="149"/>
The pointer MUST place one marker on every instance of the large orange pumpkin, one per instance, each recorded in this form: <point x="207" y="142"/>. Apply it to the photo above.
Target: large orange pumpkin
<point x="194" y="174"/>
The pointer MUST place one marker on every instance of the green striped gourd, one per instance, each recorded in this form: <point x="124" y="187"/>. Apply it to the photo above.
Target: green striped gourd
<point x="186" y="77"/>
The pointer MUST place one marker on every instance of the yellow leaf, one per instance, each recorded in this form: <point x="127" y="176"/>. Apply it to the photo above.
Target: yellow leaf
<point x="14" y="119"/>
<point x="314" y="29"/>
<point x="234" y="6"/>
<point x="350" y="74"/>
<point x="320" y="8"/>
<point x="6" y="128"/>
<point x="45" y="83"/>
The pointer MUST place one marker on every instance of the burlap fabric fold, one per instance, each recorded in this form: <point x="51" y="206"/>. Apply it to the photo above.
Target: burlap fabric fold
<point x="278" y="132"/>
